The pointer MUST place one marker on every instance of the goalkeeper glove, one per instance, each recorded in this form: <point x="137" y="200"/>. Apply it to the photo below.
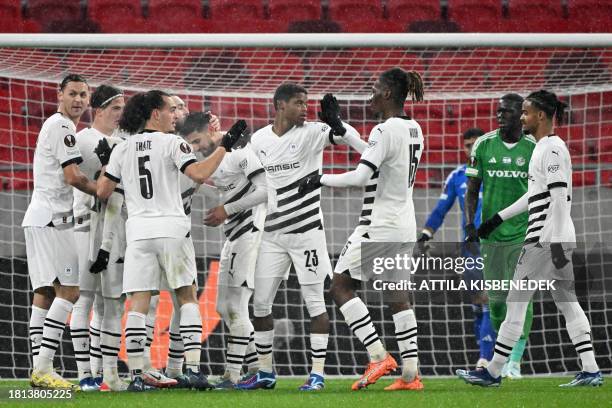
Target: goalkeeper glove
<point x="330" y="114"/>
<point x="487" y="227"/>
<point x="101" y="262"/>
<point x="233" y="135"/>
<point x="103" y="151"/>
<point x="558" y="255"/>
<point x="422" y="244"/>
<point x="310" y="183"/>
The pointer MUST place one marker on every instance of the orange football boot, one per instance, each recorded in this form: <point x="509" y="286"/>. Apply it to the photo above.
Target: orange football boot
<point x="374" y="371"/>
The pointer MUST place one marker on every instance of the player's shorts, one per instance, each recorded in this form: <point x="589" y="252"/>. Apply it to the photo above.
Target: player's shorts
<point x="535" y="263"/>
<point x="52" y="254"/>
<point x="360" y="260"/>
<point x="307" y="251"/>
<point x="151" y="264"/>
<point x="238" y="259"/>
<point x="87" y="280"/>
<point x="500" y="259"/>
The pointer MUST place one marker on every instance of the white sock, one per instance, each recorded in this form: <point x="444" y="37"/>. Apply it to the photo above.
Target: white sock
<point x="110" y="334"/>
<point x="318" y="350"/>
<point x="53" y="329"/>
<point x="250" y="358"/>
<point x="263" y="344"/>
<point x="150" y="325"/>
<point x="176" y="349"/>
<point x="79" y="331"/>
<point x="406" y="335"/>
<point x="191" y="333"/>
<point x="95" y="353"/>
<point x="238" y="340"/>
<point x="579" y="331"/>
<point x="507" y="337"/>
<point x="135" y="339"/>
<point x="357" y="316"/>
<point x="37" y="320"/>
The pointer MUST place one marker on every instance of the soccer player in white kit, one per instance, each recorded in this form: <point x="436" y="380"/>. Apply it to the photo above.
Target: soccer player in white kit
<point x="159" y="252"/>
<point x="290" y="150"/>
<point x="547" y="252"/>
<point x="241" y="180"/>
<point x="107" y="104"/>
<point x="387" y="170"/>
<point x="48" y="227"/>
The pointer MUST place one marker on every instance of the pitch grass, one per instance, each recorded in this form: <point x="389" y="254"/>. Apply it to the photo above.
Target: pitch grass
<point x="447" y="392"/>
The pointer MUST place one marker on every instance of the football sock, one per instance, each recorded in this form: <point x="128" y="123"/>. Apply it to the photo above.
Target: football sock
<point x="135" y="339"/>
<point x="191" y="333"/>
<point x="579" y="331"/>
<point x="406" y="335"/>
<point x="487" y="336"/>
<point x="95" y="352"/>
<point x="251" y="358"/>
<point x="509" y="334"/>
<point x="150" y="325"/>
<point x="238" y="340"/>
<point x="176" y="349"/>
<point x="318" y="350"/>
<point x="79" y="331"/>
<point x="53" y="329"/>
<point x="478" y="314"/>
<point x="357" y="316"/>
<point x="517" y="351"/>
<point x="110" y="333"/>
<point x="263" y="344"/>
<point x="37" y="320"/>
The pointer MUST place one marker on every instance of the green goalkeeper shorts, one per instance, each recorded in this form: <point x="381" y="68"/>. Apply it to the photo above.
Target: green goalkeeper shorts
<point x="500" y="259"/>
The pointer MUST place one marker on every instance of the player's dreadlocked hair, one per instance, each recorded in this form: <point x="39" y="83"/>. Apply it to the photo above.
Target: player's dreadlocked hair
<point x="194" y="122"/>
<point x="548" y="103"/>
<point x="286" y="92"/>
<point x="138" y="110"/>
<point x="402" y="83"/>
<point x="104" y="95"/>
<point x="71" y="78"/>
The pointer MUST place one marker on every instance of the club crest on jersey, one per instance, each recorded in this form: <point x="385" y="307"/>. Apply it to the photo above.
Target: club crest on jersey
<point x="507" y="160"/>
<point x="520" y="161"/>
<point x="552" y="168"/>
<point x="243" y="164"/>
<point x="293" y="147"/>
<point x="69" y="140"/>
<point x="185" y="148"/>
<point x="371" y="143"/>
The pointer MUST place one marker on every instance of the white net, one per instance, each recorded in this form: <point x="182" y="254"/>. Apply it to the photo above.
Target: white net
<point x="462" y="88"/>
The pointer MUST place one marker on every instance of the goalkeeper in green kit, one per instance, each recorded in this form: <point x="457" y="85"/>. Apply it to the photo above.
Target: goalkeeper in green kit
<point x="500" y="162"/>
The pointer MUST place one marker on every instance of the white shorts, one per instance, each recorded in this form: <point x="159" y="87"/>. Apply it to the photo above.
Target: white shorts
<point x="87" y="280"/>
<point x="360" y="264"/>
<point x="52" y="255"/>
<point x="151" y="264"/>
<point x="535" y="263"/>
<point x="307" y="251"/>
<point x="238" y="259"/>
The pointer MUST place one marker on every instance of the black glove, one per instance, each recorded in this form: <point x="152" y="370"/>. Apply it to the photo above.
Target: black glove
<point x="471" y="233"/>
<point x="310" y="183"/>
<point x="487" y="227"/>
<point x="330" y="114"/>
<point x="101" y="262"/>
<point x="103" y="151"/>
<point x="422" y="245"/>
<point x="558" y="256"/>
<point x="423" y="238"/>
<point x="233" y="135"/>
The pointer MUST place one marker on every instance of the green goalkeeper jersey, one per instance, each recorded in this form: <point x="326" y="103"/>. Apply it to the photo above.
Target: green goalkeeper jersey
<point x="504" y="173"/>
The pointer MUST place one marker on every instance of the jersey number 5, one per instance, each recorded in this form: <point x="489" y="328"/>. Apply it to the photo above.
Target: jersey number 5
<point x="144" y="175"/>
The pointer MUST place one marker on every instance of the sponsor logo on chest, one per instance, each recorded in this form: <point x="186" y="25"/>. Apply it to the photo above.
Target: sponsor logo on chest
<point x="507" y="173"/>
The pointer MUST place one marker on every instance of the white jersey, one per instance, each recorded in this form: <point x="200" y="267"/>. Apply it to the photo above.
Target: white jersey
<point x="393" y="153"/>
<point x="550" y="167"/>
<point x="287" y="160"/>
<point x="87" y="140"/>
<point x="233" y="179"/>
<point x="148" y="165"/>
<point x="56" y="148"/>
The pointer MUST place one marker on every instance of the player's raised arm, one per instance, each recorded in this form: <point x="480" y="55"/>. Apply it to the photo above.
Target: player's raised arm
<point x="340" y="132"/>
<point x="200" y="171"/>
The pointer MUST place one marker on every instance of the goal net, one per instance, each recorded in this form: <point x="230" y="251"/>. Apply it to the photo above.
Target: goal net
<point x="464" y="78"/>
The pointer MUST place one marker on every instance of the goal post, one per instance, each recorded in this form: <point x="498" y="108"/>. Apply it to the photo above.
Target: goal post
<point x="235" y="76"/>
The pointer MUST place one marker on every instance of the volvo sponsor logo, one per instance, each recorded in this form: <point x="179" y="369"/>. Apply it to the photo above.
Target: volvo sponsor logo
<point x="507" y="173"/>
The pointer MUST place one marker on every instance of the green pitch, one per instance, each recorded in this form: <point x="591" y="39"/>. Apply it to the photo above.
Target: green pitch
<point x="448" y="392"/>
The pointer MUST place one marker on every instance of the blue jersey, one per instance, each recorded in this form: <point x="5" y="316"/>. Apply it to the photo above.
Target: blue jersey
<point x="455" y="187"/>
